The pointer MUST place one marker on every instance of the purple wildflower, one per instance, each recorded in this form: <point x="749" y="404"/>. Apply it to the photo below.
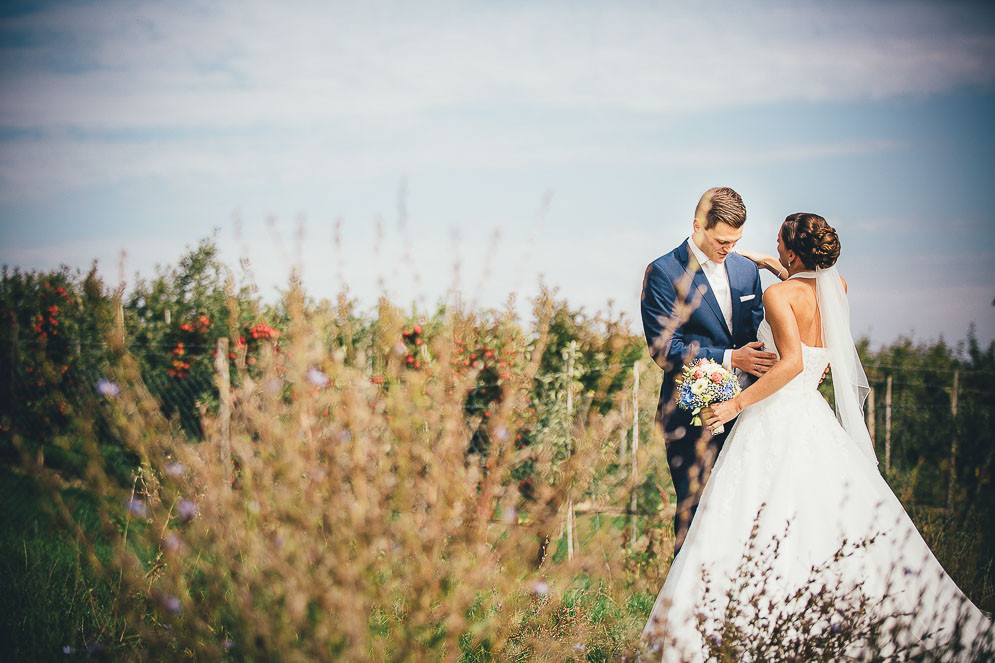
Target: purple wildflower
<point x="67" y="650"/>
<point x="227" y="644"/>
<point x="107" y="388"/>
<point x="715" y="639"/>
<point x="172" y="542"/>
<point x="137" y="508"/>
<point x="187" y="510"/>
<point x="317" y="378"/>
<point x="175" y="470"/>
<point x="540" y="587"/>
<point x="835" y="627"/>
<point x="172" y="604"/>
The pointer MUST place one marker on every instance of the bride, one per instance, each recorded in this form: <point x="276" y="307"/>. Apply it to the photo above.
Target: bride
<point x="798" y="537"/>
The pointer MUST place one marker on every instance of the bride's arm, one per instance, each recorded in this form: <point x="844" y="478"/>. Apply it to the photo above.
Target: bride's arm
<point x="782" y="322"/>
<point x="770" y="263"/>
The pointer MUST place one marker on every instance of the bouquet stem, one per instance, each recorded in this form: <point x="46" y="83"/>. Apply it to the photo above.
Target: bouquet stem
<point x="715" y="431"/>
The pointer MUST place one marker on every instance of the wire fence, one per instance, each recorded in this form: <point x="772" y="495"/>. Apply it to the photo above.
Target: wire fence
<point x="893" y="421"/>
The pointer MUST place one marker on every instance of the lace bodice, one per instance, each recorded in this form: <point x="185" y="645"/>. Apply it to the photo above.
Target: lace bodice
<point x="814" y="360"/>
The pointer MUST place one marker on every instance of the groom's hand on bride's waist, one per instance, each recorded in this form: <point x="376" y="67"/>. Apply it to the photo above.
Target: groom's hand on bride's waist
<point x="752" y="359"/>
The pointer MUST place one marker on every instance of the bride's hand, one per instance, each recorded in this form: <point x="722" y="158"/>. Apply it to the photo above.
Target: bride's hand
<point x="764" y="261"/>
<point x="721" y="413"/>
<point x="756" y="257"/>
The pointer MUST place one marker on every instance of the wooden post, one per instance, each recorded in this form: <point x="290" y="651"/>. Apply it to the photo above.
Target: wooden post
<point x="870" y="416"/>
<point x="570" y="408"/>
<point x="117" y="336"/>
<point x="887" y="426"/>
<point x="224" y="408"/>
<point x="635" y="450"/>
<point x="953" y="444"/>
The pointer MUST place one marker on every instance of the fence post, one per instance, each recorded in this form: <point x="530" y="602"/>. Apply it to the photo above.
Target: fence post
<point x="870" y="416"/>
<point x="224" y="408"/>
<point x="635" y="449"/>
<point x="887" y="426"/>
<point x="117" y="337"/>
<point x="570" y="408"/>
<point x="953" y="444"/>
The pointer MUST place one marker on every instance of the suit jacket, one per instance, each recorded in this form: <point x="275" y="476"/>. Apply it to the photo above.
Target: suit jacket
<point x="704" y="333"/>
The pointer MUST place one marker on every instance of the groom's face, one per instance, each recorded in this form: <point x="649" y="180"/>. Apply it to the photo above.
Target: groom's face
<point x="718" y="241"/>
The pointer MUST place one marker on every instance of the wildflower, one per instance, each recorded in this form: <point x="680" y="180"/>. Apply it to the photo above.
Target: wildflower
<point x="175" y="470"/>
<point x="835" y="627"/>
<point x="137" y="508"/>
<point x="107" y="388"/>
<point x="227" y="644"/>
<point x="187" y="510"/>
<point x="501" y="434"/>
<point x="172" y="604"/>
<point x="715" y="639"/>
<point x="540" y="588"/>
<point x="67" y="650"/>
<point x="579" y="647"/>
<point x="698" y="387"/>
<point x="172" y="542"/>
<point x="317" y="378"/>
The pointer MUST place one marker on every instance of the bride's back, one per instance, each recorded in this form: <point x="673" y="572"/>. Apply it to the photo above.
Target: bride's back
<point x="806" y="240"/>
<point x="801" y="294"/>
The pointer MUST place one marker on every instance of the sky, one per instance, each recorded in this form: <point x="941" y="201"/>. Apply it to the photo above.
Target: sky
<point x="416" y="148"/>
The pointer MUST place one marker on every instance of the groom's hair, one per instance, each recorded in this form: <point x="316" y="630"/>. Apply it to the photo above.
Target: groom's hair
<point x="721" y="204"/>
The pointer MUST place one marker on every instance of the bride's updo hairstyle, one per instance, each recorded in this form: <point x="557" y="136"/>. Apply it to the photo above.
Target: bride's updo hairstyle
<point x="812" y="239"/>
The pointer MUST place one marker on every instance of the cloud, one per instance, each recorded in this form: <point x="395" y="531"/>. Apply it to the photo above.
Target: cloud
<point x="222" y="65"/>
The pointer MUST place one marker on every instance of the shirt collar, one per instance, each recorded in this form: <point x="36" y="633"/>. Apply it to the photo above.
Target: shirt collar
<point x="698" y="253"/>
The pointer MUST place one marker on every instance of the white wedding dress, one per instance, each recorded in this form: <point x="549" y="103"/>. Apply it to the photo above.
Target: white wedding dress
<point x="816" y="491"/>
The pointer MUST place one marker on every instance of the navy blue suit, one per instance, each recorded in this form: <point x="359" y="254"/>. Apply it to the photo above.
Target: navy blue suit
<point x="691" y="450"/>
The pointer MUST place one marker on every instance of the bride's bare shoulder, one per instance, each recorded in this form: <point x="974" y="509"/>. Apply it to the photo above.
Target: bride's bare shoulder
<point x="784" y="289"/>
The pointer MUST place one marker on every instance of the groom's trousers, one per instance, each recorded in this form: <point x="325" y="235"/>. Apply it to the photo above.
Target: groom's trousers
<point x="691" y="458"/>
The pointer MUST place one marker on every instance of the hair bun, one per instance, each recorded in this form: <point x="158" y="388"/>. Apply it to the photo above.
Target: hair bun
<point x="826" y="247"/>
<point x="812" y="239"/>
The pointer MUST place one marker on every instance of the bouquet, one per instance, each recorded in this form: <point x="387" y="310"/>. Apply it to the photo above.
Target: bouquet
<point x="703" y="383"/>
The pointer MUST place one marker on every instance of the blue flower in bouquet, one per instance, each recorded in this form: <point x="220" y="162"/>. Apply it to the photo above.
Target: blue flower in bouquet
<point x="704" y="383"/>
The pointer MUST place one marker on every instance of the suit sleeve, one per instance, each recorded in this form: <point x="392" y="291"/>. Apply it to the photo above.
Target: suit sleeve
<point x="657" y="308"/>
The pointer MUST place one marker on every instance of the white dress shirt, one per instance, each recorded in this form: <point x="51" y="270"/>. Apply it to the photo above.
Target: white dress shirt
<point x="718" y="280"/>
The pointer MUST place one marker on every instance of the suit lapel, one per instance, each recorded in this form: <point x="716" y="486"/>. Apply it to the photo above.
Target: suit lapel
<point x="700" y="284"/>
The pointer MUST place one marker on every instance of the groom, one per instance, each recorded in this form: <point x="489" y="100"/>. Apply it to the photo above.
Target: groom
<point x="702" y="300"/>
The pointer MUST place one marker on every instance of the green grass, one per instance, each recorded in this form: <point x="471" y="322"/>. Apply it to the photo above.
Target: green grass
<point x="48" y="597"/>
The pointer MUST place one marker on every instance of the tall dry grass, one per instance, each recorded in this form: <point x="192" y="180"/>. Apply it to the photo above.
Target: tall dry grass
<point x="360" y="502"/>
<point x="356" y="522"/>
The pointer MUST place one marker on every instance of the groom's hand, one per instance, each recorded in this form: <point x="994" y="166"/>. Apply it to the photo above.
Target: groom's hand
<point x="752" y="359"/>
